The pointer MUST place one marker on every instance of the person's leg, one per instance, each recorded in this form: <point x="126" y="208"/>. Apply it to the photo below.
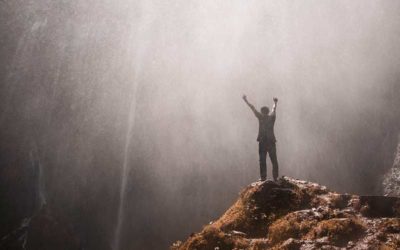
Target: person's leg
<point x="274" y="160"/>
<point x="262" y="151"/>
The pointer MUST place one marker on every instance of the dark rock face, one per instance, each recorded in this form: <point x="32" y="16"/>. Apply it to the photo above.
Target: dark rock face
<point x="43" y="231"/>
<point x="295" y="214"/>
<point x="391" y="181"/>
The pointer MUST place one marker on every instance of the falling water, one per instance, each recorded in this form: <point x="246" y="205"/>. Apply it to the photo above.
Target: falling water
<point x="125" y="170"/>
<point x="137" y="64"/>
<point x="40" y="186"/>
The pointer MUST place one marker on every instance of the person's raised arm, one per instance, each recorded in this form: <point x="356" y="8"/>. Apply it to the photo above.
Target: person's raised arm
<point x="251" y="106"/>
<point x="274" y="107"/>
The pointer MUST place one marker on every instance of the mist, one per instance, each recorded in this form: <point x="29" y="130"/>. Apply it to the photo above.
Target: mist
<point x="140" y="101"/>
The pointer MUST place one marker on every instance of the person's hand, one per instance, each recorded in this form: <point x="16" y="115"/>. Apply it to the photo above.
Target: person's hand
<point x="245" y="97"/>
<point x="275" y="99"/>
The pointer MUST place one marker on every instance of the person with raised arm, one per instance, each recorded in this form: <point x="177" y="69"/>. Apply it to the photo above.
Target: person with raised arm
<point x="266" y="138"/>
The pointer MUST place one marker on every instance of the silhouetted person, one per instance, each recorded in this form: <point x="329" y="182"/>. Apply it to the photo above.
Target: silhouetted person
<point x="266" y="138"/>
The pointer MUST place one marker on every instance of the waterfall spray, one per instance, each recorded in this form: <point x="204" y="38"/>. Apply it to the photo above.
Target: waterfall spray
<point x="140" y="50"/>
<point x="40" y="185"/>
<point x="125" y="171"/>
<point x="125" y="163"/>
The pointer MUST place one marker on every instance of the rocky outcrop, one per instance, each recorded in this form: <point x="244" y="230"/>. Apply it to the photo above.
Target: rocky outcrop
<point x="391" y="180"/>
<point x="295" y="214"/>
<point x="44" y="231"/>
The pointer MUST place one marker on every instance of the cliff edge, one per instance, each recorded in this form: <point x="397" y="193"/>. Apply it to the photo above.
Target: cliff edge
<point x="296" y="214"/>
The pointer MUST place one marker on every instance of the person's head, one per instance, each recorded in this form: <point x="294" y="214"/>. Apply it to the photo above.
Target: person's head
<point x="265" y="110"/>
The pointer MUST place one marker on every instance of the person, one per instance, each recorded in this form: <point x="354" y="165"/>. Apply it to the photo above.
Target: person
<point x="266" y="138"/>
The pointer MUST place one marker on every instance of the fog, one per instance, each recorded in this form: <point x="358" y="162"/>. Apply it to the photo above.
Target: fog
<point x="133" y="108"/>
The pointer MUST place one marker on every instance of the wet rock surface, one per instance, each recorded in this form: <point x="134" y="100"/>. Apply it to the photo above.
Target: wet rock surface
<point x="391" y="180"/>
<point x="296" y="214"/>
<point x="46" y="230"/>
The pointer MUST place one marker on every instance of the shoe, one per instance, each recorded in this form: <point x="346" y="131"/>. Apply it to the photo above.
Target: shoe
<point x="262" y="179"/>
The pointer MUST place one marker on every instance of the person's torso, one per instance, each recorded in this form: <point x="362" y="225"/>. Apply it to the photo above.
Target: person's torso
<point x="266" y="128"/>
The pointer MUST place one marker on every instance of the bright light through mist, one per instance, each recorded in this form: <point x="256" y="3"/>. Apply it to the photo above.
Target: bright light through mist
<point x="72" y="71"/>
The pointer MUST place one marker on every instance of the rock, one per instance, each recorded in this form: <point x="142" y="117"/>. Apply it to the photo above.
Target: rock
<point x="391" y="180"/>
<point x="43" y="231"/>
<point x="291" y="244"/>
<point x="238" y="233"/>
<point x="295" y="214"/>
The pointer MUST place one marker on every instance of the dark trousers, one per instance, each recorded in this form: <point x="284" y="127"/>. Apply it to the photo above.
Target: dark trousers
<point x="265" y="147"/>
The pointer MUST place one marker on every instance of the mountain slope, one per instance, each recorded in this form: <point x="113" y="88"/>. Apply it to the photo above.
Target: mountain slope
<point x="295" y="214"/>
